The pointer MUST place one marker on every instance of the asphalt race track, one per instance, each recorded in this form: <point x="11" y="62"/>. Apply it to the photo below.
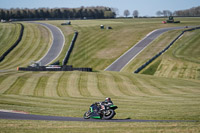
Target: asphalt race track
<point x="19" y="116"/>
<point x="123" y="60"/>
<point x="57" y="44"/>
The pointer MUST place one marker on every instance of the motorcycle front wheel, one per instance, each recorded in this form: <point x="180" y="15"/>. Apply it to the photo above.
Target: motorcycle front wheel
<point x="86" y="115"/>
<point x="109" y="114"/>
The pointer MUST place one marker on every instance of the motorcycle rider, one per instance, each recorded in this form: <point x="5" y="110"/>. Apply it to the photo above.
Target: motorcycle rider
<point x="106" y="103"/>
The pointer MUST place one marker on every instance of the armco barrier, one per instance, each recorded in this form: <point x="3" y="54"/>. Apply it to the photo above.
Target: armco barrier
<point x="53" y="68"/>
<point x="15" y="44"/>
<point x="157" y="55"/>
<point x="65" y="60"/>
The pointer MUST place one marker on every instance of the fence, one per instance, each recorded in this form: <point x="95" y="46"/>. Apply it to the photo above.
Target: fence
<point x="160" y="53"/>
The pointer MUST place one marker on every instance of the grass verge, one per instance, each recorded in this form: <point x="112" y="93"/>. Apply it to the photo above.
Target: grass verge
<point x="9" y="126"/>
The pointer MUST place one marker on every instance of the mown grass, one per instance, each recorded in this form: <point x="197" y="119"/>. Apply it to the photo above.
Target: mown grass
<point x="98" y="48"/>
<point x="181" y="60"/>
<point x="188" y="47"/>
<point x="152" y="69"/>
<point x="154" y="48"/>
<point x="71" y="93"/>
<point x="9" y="33"/>
<point x="85" y="127"/>
<point x="138" y="96"/>
<point x="33" y="46"/>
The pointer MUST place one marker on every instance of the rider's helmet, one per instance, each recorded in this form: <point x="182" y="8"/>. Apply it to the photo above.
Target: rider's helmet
<point x="108" y="99"/>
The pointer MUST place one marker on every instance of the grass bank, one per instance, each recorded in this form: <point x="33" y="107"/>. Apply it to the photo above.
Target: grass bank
<point x="181" y="60"/>
<point x="9" y="33"/>
<point x="33" y="46"/>
<point x="71" y="93"/>
<point x="9" y="126"/>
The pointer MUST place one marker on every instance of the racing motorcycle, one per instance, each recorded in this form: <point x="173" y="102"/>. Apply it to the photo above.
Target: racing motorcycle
<point x="100" y="111"/>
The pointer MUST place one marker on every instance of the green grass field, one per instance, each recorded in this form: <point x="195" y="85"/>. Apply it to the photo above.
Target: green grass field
<point x="85" y="127"/>
<point x="9" y="33"/>
<point x="139" y="96"/>
<point x="71" y="93"/>
<point x="33" y="46"/>
<point x="181" y="60"/>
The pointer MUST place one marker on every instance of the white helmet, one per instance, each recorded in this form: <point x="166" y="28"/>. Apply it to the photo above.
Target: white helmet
<point x="108" y="99"/>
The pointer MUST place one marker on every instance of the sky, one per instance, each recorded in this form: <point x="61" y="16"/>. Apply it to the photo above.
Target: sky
<point x="145" y="7"/>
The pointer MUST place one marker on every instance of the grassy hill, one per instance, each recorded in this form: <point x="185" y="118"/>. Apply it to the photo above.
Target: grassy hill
<point x="181" y="60"/>
<point x="71" y="93"/>
<point x="138" y="96"/>
<point x="98" y="48"/>
<point x="9" y="33"/>
<point x="33" y="46"/>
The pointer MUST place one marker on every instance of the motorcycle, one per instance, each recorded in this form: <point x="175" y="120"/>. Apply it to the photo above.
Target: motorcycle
<point x="100" y="111"/>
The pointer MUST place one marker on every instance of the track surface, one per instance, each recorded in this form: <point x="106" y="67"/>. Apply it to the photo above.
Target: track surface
<point x="18" y="116"/>
<point x="123" y="60"/>
<point x="57" y="44"/>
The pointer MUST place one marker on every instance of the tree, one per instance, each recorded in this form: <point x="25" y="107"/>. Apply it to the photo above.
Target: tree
<point x="82" y="12"/>
<point x="109" y="14"/>
<point x="195" y="11"/>
<point x="167" y="13"/>
<point x="126" y="13"/>
<point x="115" y="11"/>
<point x="135" y="13"/>
<point x="159" y="13"/>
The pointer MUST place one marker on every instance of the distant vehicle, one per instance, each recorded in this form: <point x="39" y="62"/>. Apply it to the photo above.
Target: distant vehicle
<point x="3" y="21"/>
<point x="108" y="28"/>
<point x="101" y="26"/>
<point x="67" y="23"/>
<point x="170" y="20"/>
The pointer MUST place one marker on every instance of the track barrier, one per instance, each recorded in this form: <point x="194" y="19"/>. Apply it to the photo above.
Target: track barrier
<point x="53" y="68"/>
<point x="65" y="60"/>
<point x="164" y="50"/>
<point x="15" y="44"/>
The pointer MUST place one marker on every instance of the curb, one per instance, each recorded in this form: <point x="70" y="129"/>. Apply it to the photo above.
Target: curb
<point x="14" y="111"/>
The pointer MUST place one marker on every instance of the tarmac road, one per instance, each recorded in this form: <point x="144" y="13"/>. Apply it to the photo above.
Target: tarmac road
<point x="123" y="60"/>
<point x="19" y="116"/>
<point x="57" y="44"/>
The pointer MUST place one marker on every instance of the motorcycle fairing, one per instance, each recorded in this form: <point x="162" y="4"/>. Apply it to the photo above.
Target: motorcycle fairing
<point x="94" y="112"/>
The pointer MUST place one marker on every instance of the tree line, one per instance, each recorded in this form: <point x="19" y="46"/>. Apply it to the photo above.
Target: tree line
<point x="192" y="12"/>
<point x="58" y="13"/>
<point x="135" y="13"/>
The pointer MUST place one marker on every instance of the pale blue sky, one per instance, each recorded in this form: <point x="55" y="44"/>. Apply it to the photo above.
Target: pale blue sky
<point x="145" y="7"/>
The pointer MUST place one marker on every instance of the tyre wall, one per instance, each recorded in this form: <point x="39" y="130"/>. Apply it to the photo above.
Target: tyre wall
<point x="44" y="68"/>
